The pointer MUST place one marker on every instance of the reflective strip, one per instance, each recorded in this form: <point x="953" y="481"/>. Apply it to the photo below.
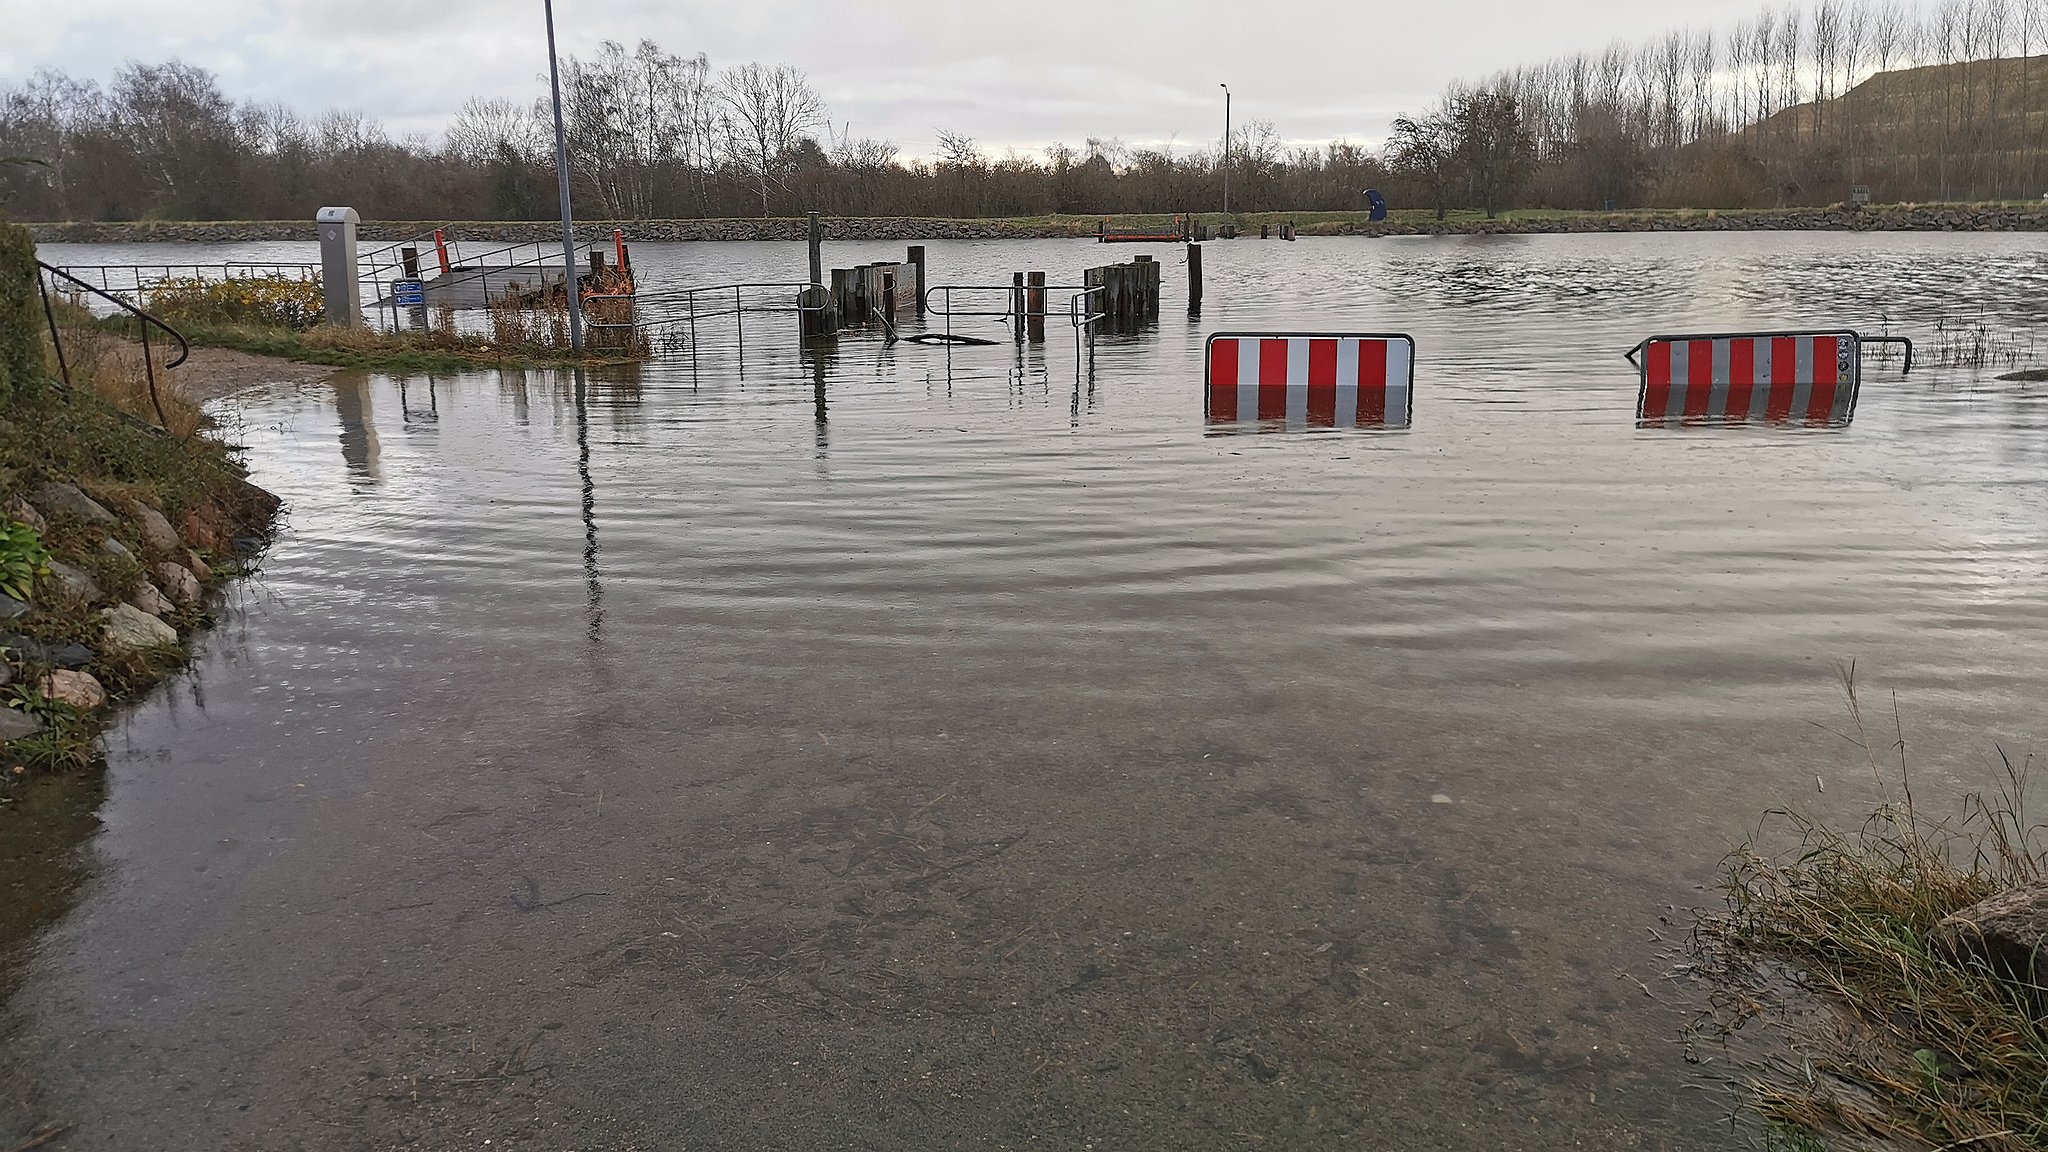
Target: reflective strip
<point x="1372" y="382"/>
<point x="1322" y="382"/>
<point x="1400" y="379"/>
<point x="1734" y="404"/>
<point x="1223" y="380"/>
<point x="1346" y="413"/>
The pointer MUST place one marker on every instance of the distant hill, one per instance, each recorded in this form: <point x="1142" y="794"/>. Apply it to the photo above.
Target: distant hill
<point x="1967" y="131"/>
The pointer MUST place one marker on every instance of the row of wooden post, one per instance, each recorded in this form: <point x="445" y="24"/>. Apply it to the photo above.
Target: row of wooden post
<point x="856" y="295"/>
<point x="1130" y="296"/>
<point x="1129" y="300"/>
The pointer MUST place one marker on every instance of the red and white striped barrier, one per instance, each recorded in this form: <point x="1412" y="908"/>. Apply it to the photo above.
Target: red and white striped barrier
<point x="1768" y="377"/>
<point x="1307" y="380"/>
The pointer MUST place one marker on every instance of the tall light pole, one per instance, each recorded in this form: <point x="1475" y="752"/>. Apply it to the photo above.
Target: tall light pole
<point x="562" y="175"/>
<point x="1226" y="148"/>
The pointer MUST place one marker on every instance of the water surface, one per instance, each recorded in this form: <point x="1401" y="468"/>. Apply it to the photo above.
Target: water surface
<point x="904" y="748"/>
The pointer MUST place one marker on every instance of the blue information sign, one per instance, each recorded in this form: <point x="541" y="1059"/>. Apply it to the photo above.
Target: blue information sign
<point x="409" y="292"/>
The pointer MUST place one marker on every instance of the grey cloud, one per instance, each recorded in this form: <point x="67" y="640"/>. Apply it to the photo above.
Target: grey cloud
<point x="1141" y="70"/>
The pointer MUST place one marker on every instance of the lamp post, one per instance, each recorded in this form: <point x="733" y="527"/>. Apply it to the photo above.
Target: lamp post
<point x="1226" y="148"/>
<point x="562" y="175"/>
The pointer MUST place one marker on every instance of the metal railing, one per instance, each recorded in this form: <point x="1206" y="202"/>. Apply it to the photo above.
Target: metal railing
<point x="139" y="280"/>
<point x="147" y="321"/>
<point x="683" y="308"/>
<point x="1017" y="309"/>
<point x="543" y="264"/>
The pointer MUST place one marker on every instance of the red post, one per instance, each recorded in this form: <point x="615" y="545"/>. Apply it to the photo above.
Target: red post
<point x="441" y="250"/>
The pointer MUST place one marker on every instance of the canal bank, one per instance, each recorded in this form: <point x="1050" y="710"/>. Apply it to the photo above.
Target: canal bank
<point x="114" y="529"/>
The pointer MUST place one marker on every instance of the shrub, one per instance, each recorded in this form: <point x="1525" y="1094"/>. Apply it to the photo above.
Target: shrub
<point x="262" y="301"/>
<point x="22" y="559"/>
<point x="21" y="345"/>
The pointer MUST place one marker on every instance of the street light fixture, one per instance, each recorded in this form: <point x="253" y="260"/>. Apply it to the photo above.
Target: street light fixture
<point x="1226" y="148"/>
<point x="569" y="287"/>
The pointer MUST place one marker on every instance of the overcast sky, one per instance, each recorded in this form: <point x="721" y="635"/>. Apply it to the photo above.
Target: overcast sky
<point x="1010" y="75"/>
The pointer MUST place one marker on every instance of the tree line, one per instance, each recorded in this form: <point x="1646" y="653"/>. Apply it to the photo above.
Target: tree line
<point x="651" y="135"/>
<point x="1778" y="109"/>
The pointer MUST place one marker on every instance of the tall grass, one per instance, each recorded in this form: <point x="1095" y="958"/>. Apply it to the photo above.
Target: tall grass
<point x="1875" y="1036"/>
<point x="102" y="359"/>
<point x="1971" y="342"/>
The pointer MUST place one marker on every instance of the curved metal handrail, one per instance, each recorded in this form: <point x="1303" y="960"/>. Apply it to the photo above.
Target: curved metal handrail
<point x="148" y="320"/>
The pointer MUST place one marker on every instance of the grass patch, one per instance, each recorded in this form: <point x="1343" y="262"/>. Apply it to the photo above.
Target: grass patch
<point x="402" y="353"/>
<point x="1849" y="1028"/>
<point x="104" y="358"/>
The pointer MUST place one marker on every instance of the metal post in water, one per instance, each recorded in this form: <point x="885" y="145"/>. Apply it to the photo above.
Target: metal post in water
<point x="562" y="179"/>
<point x="815" y="239"/>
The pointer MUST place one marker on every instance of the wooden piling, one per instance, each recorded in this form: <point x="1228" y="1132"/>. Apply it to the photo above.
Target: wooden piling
<point x="410" y="258"/>
<point x="1035" y="304"/>
<point x="842" y="295"/>
<point x="814" y="236"/>
<point x="1194" y="279"/>
<point x="1017" y="306"/>
<point x="916" y="260"/>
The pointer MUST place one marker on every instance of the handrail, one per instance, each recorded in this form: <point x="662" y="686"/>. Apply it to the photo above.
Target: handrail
<point x="690" y="314"/>
<point x="1907" y="369"/>
<point x="1018" y="295"/>
<point x="949" y="289"/>
<point x="1074" y="313"/>
<point x="148" y="365"/>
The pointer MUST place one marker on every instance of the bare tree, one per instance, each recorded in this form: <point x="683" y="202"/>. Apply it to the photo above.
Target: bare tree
<point x="1493" y="146"/>
<point x="482" y="127"/>
<point x="1426" y="151"/>
<point x="768" y="110"/>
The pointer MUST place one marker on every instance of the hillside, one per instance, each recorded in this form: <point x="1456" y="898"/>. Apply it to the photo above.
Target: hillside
<point x="1967" y="131"/>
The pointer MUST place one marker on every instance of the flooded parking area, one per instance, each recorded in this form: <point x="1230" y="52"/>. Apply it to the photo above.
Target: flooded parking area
<point x="910" y="747"/>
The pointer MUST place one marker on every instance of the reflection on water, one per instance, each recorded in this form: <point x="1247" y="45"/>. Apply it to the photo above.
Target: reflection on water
<point x="358" y="429"/>
<point x="960" y="747"/>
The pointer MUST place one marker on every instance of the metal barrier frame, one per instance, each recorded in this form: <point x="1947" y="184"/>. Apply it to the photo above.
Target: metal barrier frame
<point x="1632" y="354"/>
<point x="1208" y="383"/>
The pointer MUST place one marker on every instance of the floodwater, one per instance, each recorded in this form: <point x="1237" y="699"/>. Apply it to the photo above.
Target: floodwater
<point x="914" y="749"/>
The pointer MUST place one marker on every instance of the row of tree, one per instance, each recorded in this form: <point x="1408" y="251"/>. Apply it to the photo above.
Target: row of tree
<point x="1777" y="109"/>
<point x="650" y="133"/>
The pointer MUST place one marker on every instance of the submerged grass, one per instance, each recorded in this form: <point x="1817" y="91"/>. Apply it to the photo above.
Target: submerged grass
<point x="1873" y="1037"/>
